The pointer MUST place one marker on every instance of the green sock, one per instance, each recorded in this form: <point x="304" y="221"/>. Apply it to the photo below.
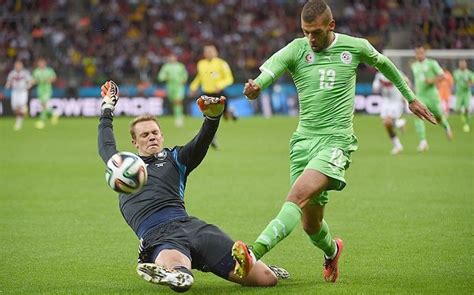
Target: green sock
<point x="323" y="240"/>
<point x="278" y="229"/>
<point x="465" y="118"/>
<point x="420" y="128"/>
<point x="45" y="114"/>
<point x="178" y="111"/>
<point x="445" y="123"/>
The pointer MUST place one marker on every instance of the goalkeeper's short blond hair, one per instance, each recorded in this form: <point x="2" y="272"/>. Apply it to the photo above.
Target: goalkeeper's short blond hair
<point x="142" y="118"/>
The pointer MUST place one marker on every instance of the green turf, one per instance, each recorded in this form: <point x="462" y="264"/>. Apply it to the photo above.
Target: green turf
<point x="407" y="221"/>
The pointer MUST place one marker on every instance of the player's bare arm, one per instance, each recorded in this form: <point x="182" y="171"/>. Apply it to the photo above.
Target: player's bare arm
<point x="251" y="89"/>
<point x="420" y="110"/>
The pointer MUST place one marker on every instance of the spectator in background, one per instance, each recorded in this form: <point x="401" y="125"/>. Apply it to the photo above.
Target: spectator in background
<point x="147" y="28"/>
<point x="175" y="75"/>
<point x="19" y="80"/>
<point x="445" y="87"/>
<point x="44" y="77"/>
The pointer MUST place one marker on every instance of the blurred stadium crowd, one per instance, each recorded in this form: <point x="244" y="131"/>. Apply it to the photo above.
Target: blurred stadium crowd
<point x="89" y="41"/>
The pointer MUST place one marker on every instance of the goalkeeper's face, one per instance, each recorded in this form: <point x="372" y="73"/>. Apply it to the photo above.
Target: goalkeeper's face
<point x="148" y="138"/>
<point x="319" y="32"/>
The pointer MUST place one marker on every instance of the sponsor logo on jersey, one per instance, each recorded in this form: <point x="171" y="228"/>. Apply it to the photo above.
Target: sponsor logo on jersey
<point x="346" y="57"/>
<point x="159" y="165"/>
<point x="309" y="58"/>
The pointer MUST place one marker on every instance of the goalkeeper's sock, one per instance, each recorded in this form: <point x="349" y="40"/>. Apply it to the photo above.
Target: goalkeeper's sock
<point x="323" y="240"/>
<point x="420" y="129"/>
<point x="278" y="229"/>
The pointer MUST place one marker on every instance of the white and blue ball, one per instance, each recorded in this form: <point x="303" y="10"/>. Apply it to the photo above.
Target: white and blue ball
<point x="126" y="173"/>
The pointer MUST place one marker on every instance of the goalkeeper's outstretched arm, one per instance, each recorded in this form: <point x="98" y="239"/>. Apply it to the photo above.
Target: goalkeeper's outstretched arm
<point x="106" y="139"/>
<point x="192" y="154"/>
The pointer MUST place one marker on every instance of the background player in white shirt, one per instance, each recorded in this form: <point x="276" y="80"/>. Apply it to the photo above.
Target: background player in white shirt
<point x="19" y="80"/>
<point x="392" y="109"/>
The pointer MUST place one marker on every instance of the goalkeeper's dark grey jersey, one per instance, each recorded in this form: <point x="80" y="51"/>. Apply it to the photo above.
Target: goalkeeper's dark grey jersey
<point x="162" y="197"/>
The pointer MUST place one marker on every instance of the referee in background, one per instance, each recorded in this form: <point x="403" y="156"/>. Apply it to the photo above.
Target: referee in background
<point x="213" y="76"/>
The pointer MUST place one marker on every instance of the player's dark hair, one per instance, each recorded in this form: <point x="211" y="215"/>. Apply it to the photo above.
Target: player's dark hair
<point x="142" y="118"/>
<point x="313" y="9"/>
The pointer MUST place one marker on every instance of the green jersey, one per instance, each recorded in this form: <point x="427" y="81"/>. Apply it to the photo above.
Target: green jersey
<point x="427" y="69"/>
<point x="326" y="80"/>
<point x="463" y="80"/>
<point x="43" y="78"/>
<point x="174" y="74"/>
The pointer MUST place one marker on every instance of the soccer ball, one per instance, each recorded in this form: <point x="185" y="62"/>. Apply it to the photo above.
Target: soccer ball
<point x="126" y="173"/>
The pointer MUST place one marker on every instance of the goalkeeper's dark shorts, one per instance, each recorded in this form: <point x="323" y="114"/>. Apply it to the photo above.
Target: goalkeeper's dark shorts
<point x="207" y="246"/>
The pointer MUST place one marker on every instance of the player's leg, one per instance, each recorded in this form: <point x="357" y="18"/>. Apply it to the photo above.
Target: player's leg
<point x="465" y="106"/>
<point x="165" y="257"/>
<point x="331" y="162"/>
<point x="420" y="130"/>
<point x="45" y="113"/>
<point x="178" y="112"/>
<point x="170" y="268"/>
<point x="311" y="182"/>
<point x="18" y="104"/>
<point x="318" y="231"/>
<point x="176" y="95"/>
<point x="434" y="105"/>
<point x="389" y="124"/>
<point x="211" y="252"/>
<point x="305" y="183"/>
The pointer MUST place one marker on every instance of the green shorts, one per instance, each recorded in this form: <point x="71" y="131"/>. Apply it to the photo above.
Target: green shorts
<point x="175" y="93"/>
<point x="328" y="154"/>
<point x="463" y="100"/>
<point x="44" y="96"/>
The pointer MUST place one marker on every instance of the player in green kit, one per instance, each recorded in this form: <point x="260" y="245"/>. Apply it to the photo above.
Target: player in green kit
<point x="464" y="78"/>
<point x="175" y="75"/>
<point x="323" y="65"/>
<point x="44" y="77"/>
<point x="426" y="72"/>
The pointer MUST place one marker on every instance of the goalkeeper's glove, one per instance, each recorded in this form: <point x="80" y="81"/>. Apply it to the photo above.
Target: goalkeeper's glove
<point x="110" y="95"/>
<point x="211" y="106"/>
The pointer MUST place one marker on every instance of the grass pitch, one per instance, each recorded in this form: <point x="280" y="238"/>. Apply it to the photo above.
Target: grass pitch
<point x="407" y="220"/>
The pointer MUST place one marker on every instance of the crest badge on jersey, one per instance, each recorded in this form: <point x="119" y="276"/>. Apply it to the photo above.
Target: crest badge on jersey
<point x="309" y="58"/>
<point x="346" y="57"/>
<point x="161" y="155"/>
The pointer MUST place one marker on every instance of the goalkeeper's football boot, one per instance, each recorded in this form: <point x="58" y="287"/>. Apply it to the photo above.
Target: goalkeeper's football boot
<point x="244" y="259"/>
<point x="177" y="280"/>
<point x="331" y="268"/>
<point x="281" y="273"/>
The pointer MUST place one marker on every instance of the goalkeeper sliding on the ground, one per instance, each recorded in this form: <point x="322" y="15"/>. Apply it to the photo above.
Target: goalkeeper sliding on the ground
<point x="172" y="242"/>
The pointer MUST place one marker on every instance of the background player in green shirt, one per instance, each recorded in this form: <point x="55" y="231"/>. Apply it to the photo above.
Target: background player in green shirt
<point x="44" y="77"/>
<point x="323" y="66"/>
<point x="426" y="73"/>
<point x="463" y="78"/>
<point x="175" y="75"/>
